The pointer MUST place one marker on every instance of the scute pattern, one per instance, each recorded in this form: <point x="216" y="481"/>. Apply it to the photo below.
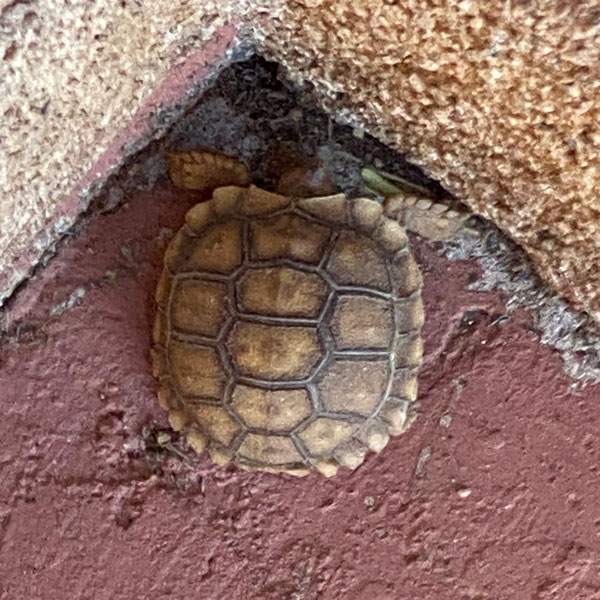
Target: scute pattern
<point x="287" y="335"/>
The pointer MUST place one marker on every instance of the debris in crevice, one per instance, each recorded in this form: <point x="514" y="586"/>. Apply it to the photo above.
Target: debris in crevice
<point x="506" y="267"/>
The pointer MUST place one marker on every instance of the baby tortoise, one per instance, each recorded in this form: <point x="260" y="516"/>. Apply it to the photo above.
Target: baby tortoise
<point x="287" y="334"/>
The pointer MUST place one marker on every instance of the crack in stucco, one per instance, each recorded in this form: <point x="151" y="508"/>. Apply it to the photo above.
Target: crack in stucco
<point x="572" y="333"/>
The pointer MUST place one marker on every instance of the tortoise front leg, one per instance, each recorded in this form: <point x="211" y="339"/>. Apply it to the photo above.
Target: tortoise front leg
<point x="409" y="205"/>
<point x="200" y="170"/>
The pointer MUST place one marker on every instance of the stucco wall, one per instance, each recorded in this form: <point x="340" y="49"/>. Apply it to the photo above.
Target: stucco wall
<point x="496" y="99"/>
<point x="80" y="84"/>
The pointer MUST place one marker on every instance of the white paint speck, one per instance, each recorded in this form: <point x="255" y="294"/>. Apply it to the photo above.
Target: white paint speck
<point x="369" y="501"/>
<point x="77" y="294"/>
<point x="424" y="456"/>
<point x="446" y="420"/>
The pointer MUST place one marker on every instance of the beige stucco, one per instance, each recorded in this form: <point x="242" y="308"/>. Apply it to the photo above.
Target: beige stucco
<point x="73" y="77"/>
<point x="498" y="100"/>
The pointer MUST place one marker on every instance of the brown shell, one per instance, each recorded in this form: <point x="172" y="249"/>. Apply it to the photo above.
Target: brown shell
<point x="287" y="335"/>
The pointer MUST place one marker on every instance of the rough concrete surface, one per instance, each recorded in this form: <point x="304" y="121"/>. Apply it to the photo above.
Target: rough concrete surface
<point x="491" y="494"/>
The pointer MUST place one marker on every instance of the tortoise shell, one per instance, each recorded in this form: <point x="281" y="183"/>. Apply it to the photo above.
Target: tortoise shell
<point x="287" y="335"/>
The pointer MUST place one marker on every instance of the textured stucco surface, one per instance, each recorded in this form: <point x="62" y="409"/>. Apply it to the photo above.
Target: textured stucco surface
<point x="496" y="100"/>
<point x="491" y="494"/>
<point x="81" y="84"/>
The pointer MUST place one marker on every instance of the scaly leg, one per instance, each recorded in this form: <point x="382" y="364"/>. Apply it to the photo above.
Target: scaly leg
<point x="409" y="205"/>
